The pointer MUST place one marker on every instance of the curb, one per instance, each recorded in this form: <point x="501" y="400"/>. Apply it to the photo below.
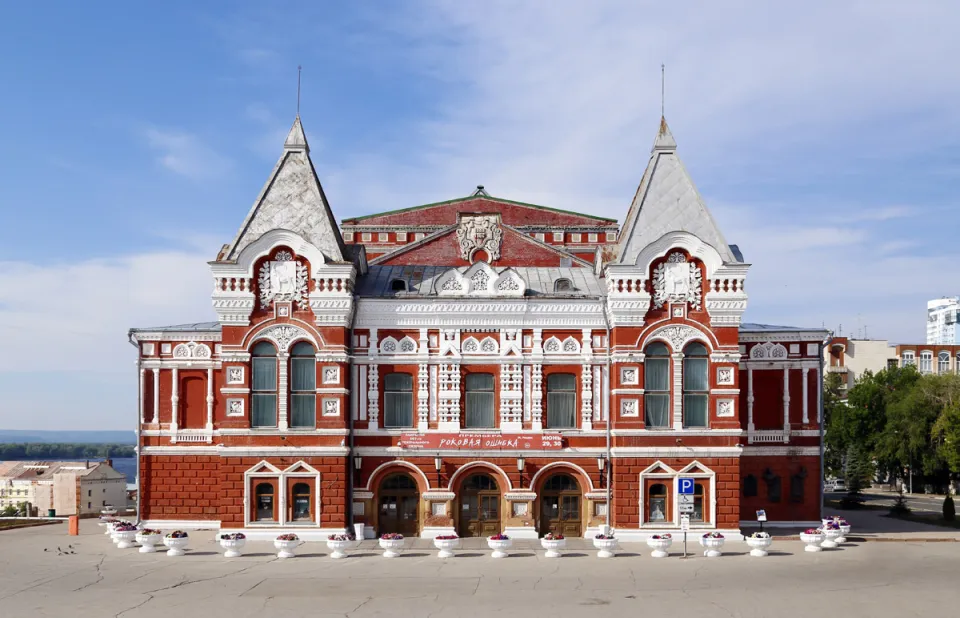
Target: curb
<point x="883" y="539"/>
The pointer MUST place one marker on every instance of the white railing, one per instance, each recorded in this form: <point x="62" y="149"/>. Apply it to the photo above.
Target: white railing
<point x="194" y="437"/>
<point x="773" y="436"/>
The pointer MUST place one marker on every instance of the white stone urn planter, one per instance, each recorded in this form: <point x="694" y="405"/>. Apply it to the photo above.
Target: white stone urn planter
<point x="660" y="544"/>
<point x="830" y="535"/>
<point x="233" y="544"/>
<point x="553" y="545"/>
<point x="812" y="540"/>
<point x="338" y="544"/>
<point x="844" y="531"/>
<point x="125" y="538"/>
<point x="712" y="545"/>
<point x="446" y="545"/>
<point x="392" y="545"/>
<point x="606" y="545"/>
<point x="109" y="511"/>
<point x="286" y="545"/>
<point x="176" y="544"/>
<point x="499" y="544"/>
<point x="109" y="528"/>
<point x="148" y="539"/>
<point x="759" y="544"/>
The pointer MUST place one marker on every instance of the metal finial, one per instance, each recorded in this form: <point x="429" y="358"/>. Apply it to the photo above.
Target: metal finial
<point x="299" y="68"/>
<point x="663" y="81"/>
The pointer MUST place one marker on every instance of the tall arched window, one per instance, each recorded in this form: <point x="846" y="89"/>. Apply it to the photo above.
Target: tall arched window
<point x="696" y="385"/>
<point x="698" y="494"/>
<point x="302" y="501"/>
<point x="265" y="504"/>
<point x="303" y="386"/>
<point x="398" y="400"/>
<point x="657" y="503"/>
<point x="561" y="401"/>
<point x="656" y="385"/>
<point x="943" y="362"/>
<point x="263" y="386"/>
<point x="479" y="400"/>
<point x="926" y="362"/>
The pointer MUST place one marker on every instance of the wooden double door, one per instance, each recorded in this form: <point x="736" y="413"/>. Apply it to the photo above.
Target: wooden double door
<point x="561" y="506"/>
<point x="398" y="506"/>
<point x="479" y="508"/>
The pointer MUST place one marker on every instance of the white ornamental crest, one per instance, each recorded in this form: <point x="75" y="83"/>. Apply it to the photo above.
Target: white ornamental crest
<point x="677" y="281"/>
<point x="479" y="232"/>
<point x="282" y="279"/>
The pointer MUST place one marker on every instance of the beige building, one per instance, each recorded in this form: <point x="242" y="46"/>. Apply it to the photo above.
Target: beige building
<point x="68" y="487"/>
<point x="852" y="357"/>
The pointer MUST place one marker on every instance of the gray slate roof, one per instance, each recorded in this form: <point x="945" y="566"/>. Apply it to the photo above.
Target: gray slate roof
<point x="197" y="327"/>
<point x="752" y="327"/>
<point x="377" y="282"/>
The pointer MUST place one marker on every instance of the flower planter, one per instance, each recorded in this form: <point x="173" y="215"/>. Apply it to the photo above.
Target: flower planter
<point x="553" y="546"/>
<point x="811" y="540"/>
<point x="286" y="549"/>
<point x="125" y="538"/>
<point x="660" y="546"/>
<point x="499" y="547"/>
<point x="830" y="536"/>
<point x="446" y="547"/>
<point x="339" y="548"/>
<point x="758" y="545"/>
<point x="391" y="547"/>
<point x="109" y="511"/>
<point x="110" y="525"/>
<point x="606" y="547"/>
<point x="844" y="531"/>
<point x="148" y="540"/>
<point x="234" y="547"/>
<point x="175" y="546"/>
<point x="712" y="545"/>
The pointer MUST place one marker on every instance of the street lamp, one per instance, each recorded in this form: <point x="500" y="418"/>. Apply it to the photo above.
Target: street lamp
<point x="357" y="462"/>
<point x="520" y="464"/>
<point x="601" y="465"/>
<point x="438" y="463"/>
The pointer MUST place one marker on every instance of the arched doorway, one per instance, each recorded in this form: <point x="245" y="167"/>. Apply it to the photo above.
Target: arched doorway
<point x="561" y="504"/>
<point x="479" y="507"/>
<point x="398" y="502"/>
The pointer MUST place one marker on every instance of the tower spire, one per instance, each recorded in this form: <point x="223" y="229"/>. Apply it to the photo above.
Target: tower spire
<point x="299" y="68"/>
<point x="663" y="83"/>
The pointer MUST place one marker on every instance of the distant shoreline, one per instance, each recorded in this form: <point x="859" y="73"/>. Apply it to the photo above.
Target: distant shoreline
<point x="40" y="450"/>
<point x="39" y="436"/>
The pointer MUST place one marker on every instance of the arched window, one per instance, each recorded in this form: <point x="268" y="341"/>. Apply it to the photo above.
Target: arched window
<point x="562" y="285"/>
<point x="696" y="385"/>
<point x="561" y="401"/>
<point x="926" y="362"/>
<point x="398" y="285"/>
<point x="479" y="400"/>
<point x="561" y="482"/>
<point x="398" y="400"/>
<point x="698" y="495"/>
<point x="907" y="358"/>
<point x="263" y="386"/>
<point x="302" y="502"/>
<point x="303" y="386"/>
<point x="943" y="363"/>
<point x="657" y="503"/>
<point x="264" y="505"/>
<point x="656" y="385"/>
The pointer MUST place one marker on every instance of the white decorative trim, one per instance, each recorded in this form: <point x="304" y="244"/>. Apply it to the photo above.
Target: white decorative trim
<point x="192" y="350"/>
<point x="677" y="281"/>
<point x="284" y="335"/>
<point x="725" y="376"/>
<point x="482" y="464"/>
<point x="479" y="232"/>
<point x="629" y="375"/>
<point x="629" y="408"/>
<point x="235" y="375"/>
<point x="726" y="408"/>
<point x="678" y="336"/>
<point x="567" y="464"/>
<point x="235" y="407"/>
<point x="403" y="464"/>
<point x="768" y="351"/>
<point x="331" y="406"/>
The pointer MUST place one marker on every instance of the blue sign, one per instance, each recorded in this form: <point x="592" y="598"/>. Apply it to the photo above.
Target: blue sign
<point x="686" y="486"/>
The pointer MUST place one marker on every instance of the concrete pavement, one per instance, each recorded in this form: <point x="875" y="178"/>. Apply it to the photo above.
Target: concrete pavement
<point x="868" y="579"/>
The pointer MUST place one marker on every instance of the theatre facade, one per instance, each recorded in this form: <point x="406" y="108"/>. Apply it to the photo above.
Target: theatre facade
<point x="478" y="365"/>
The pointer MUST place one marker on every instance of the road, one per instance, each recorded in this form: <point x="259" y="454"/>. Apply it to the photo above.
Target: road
<point x="919" y="503"/>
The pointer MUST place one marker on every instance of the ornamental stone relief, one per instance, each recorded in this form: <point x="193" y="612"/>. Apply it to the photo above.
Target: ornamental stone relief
<point x="283" y="278"/>
<point x="678" y="336"/>
<point x="283" y="335"/>
<point x="677" y="281"/>
<point x="479" y="232"/>
<point x="192" y="350"/>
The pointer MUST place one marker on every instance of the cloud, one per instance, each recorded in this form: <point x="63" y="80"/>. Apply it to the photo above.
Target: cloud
<point x="185" y="154"/>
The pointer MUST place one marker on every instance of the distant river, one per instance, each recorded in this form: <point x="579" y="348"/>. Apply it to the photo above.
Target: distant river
<point x="128" y="466"/>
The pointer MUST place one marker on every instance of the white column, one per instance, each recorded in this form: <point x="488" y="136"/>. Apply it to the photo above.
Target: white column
<point x="586" y="397"/>
<point x="819" y="386"/>
<point x="786" y="398"/>
<point x="373" y="396"/>
<point x="597" y="384"/>
<point x="750" y="426"/>
<point x="174" y="400"/>
<point x="536" y="396"/>
<point x="282" y="419"/>
<point x="678" y="390"/>
<point x="210" y="399"/>
<point x="423" y="388"/>
<point x="806" y="397"/>
<point x="142" y="372"/>
<point x="156" y="395"/>
<point x="362" y="393"/>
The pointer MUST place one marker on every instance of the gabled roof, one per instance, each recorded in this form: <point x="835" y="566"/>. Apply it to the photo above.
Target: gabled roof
<point x="292" y="199"/>
<point x="667" y="201"/>
<point x="420" y="281"/>
<point x="479" y="194"/>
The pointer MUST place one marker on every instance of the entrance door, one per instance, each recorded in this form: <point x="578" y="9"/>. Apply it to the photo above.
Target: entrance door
<point x="560" y="506"/>
<point x="399" y="502"/>
<point x="479" y="507"/>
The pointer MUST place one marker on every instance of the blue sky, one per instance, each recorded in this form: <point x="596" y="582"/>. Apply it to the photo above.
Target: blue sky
<point x="135" y="139"/>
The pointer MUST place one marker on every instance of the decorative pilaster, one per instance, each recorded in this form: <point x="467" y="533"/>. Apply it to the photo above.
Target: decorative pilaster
<point x="434" y="398"/>
<point x="156" y="395"/>
<point x="586" y="395"/>
<point x="174" y="400"/>
<point x="282" y="364"/>
<point x="142" y="372"/>
<point x="786" y="398"/>
<point x="750" y="426"/>
<point x="511" y="397"/>
<point x="373" y="393"/>
<point x="210" y="399"/>
<point x="423" y="386"/>
<point x="806" y="387"/>
<point x="597" y="383"/>
<point x="450" y="396"/>
<point x="677" y="390"/>
<point x="537" y="395"/>
<point x="819" y="388"/>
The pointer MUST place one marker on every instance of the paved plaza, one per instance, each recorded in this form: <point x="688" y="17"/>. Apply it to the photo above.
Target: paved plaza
<point x="95" y="579"/>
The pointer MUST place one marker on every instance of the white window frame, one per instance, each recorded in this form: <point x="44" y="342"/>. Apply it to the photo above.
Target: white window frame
<point x="907" y="358"/>
<point x="366" y="237"/>
<point x="926" y="361"/>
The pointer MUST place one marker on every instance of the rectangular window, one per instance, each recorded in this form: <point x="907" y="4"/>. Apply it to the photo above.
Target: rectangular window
<point x="383" y="237"/>
<point x="656" y="398"/>
<point x="561" y="401"/>
<point x="574" y="237"/>
<point x="479" y="401"/>
<point x="303" y="395"/>
<point x="695" y="392"/>
<point x="558" y="237"/>
<point x="264" y="392"/>
<point x="348" y="236"/>
<point x="592" y="237"/>
<point x="366" y="236"/>
<point x="398" y="400"/>
<point x="401" y="237"/>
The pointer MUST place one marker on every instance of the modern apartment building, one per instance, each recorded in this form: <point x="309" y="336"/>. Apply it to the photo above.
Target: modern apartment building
<point x="942" y="317"/>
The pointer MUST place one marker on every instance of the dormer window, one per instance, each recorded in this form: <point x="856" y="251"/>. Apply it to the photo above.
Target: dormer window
<point x="398" y="285"/>
<point x="562" y="285"/>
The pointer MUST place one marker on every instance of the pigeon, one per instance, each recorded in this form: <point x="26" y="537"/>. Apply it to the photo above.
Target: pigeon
<point x="69" y="546"/>
<point x="45" y="549"/>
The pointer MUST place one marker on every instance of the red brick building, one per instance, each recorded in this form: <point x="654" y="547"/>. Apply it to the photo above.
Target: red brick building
<point x="478" y="365"/>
